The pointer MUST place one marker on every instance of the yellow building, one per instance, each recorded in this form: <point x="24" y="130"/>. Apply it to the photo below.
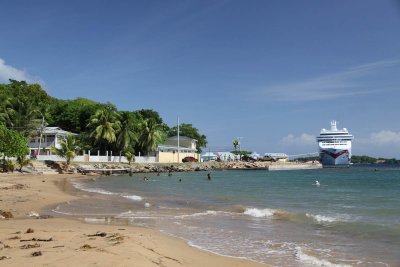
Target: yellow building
<point x="169" y="152"/>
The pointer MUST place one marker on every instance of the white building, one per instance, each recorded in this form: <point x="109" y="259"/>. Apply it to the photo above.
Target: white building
<point x="227" y="156"/>
<point x="169" y="152"/>
<point x="51" y="137"/>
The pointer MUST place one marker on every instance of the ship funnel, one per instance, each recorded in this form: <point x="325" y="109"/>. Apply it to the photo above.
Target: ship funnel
<point x="333" y="125"/>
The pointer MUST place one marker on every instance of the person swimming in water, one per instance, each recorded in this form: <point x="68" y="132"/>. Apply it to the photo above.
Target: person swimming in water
<point x="317" y="183"/>
<point x="209" y="176"/>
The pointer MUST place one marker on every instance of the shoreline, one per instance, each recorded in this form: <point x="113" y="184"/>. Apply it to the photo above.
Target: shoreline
<point x="86" y="168"/>
<point x="64" y="241"/>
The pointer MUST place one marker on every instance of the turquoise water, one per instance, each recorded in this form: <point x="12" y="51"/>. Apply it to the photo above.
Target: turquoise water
<point x="280" y="218"/>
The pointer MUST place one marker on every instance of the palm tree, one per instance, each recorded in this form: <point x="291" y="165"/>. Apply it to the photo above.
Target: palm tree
<point x="235" y="144"/>
<point x="106" y="124"/>
<point x="126" y="136"/>
<point x="5" y="110"/>
<point x="23" y="117"/>
<point x="22" y="162"/>
<point x="68" y="150"/>
<point x="129" y="156"/>
<point x="150" y="135"/>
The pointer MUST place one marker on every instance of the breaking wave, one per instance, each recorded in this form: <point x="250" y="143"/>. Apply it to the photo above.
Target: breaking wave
<point x="259" y="213"/>
<point x="105" y="192"/>
<point x="133" y="197"/>
<point x="308" y="259"/>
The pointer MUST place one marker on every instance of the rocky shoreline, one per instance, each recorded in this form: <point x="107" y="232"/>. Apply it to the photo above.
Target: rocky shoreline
<point x="116" y="168"/>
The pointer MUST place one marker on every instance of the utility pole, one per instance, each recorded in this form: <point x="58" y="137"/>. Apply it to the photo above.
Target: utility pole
<point x="178" y="139"/>
<point x="41" y="132"/>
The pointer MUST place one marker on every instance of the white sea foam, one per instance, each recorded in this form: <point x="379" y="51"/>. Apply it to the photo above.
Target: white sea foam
<point x="208" y="212"/>
<point x="95" y="220"/>
<point x="259" y="213"/>
<point x="327" y="219"/>
<point x="92" y="190"/>
<point x="303" y="257"/>
<point x="133" y="197"/>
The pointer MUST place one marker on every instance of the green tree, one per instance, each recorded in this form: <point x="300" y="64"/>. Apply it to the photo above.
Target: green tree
<point x="150" y="114"/>
<point x="106" y="126"/>
<point x="129" y="156"/>
<point x="189" y="131"/>
<point x="23" y="117"/>
<point x="69" y="149"/>
<point x="12" y="144"/>
<point x="235" y="144"/>
<point x="126" y="137"/>
<point x="73" y="115"/>
<point x="150" y="135"/>
<point x="23" y="161"/>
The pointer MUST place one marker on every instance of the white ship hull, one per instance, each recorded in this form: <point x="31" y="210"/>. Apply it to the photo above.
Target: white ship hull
<point x="335" y="157"/>
<point x="335" y="146"/>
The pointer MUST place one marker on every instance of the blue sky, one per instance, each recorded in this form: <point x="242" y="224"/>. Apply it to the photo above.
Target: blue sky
<point x="272" y="72"/>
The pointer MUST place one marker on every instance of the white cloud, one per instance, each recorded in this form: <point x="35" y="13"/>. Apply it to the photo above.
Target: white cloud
<point x="9" y="72"/>
<point x="303" y="139"/>
<point x="382" y="138"/>
<point x="340" y="84"/>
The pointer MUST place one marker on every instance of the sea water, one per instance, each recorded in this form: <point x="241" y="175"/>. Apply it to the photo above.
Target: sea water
<point x="281" y="218"/>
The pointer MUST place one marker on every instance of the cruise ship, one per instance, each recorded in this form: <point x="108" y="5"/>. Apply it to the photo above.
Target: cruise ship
<point x="335" y="146"/>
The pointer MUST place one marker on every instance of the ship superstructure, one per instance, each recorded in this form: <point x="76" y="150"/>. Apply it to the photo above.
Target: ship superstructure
<point x="335" y="146"/>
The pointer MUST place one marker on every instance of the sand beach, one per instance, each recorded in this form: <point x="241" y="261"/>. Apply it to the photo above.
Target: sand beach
<point x="34" y="238"/>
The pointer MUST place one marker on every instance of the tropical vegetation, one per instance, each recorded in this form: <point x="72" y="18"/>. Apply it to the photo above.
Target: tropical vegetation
<point x="68" y="150"/>
<point x="26" y="108"/>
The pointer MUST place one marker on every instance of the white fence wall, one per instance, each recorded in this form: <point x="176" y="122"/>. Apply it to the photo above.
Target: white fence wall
<point x="114" y="159"/>
<point x="145" y="159"/>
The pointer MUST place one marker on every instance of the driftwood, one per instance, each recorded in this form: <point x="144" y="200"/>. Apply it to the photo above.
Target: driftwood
<point x="28" y="246"/>
<point x="86" y="246"/>
<point x="102" y="234"/>
<point x="37" y="239"/>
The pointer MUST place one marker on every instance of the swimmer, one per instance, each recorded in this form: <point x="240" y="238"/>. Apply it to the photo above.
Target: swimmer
<point x="209" y="176"/>
<point x="180" y="180"/>
<point x="317" y="183"/>
<point x="145" y="179"/>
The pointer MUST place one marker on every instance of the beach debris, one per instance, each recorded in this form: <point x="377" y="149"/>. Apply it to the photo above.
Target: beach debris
<point x="4" y="258"/>
<point x="33" y="214"/>
<point x="29" y="231"/>
<point x="45" y="216"/>
<point x="37" y="239"/>
<point x="6" y="214"/>
<point x="36" y="254"/>
<point x="61" y="246"/>
<point x="28" y="246"/>
<point x="147" y="205"/>
<point x="12" y="186"/>
<point x="14" y="238"/>
<point x="115" y="237"/>
<point x="102" y="234"/>
<point x="16" y="233"/>
<point x="86" y="246"/>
